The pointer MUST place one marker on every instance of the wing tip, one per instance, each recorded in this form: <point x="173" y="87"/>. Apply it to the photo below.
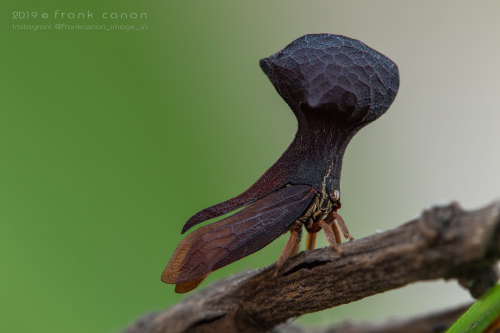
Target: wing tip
<point x="169" y="276"/>
<point x="181" y="288"/>
<point x="176" y="265"/>
<point x="172" y="277"/>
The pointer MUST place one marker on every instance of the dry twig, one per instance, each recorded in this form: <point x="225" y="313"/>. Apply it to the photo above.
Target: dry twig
<point x="445" y="242"/>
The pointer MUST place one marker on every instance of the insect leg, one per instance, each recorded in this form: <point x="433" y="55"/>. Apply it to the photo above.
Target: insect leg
<point x="336" y="232"/>
<point x="330" y="219"/>
<point x="290" y="246"/>
<point x="330" y="236"/>
<point x="342" y="225"/>
<point x="311" y="240"/>
<point x="296" y="247"/>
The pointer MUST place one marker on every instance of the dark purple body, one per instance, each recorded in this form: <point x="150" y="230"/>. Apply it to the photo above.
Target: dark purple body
<point x="335" y="85"/>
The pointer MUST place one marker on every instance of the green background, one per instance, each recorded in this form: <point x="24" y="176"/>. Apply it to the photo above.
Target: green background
<point x="111" y="140"/>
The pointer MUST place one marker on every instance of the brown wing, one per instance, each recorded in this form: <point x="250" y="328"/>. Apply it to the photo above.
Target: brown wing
<point x="223" y="242"/>
<point x="272" y="180"/>
<point x="277" y="176"/>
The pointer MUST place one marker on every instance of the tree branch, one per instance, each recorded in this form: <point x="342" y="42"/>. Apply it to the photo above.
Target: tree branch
<point x="445" y="242"/>
<point x="430" y="323"/>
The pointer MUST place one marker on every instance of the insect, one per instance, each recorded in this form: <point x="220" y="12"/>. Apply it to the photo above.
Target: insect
<point x="334" y="85"/>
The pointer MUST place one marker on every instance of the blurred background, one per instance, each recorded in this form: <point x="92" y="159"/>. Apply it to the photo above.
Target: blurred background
<point x="111" y="140"/>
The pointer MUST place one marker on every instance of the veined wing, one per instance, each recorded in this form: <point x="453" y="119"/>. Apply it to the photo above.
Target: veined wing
<point x="223" y="242"/>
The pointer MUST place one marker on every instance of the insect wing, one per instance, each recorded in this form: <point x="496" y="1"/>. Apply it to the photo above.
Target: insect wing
<point x="273" y="179"/>
<point x="223" y="242"/>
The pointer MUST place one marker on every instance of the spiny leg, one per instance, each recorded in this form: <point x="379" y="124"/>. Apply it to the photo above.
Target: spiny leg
<point x="291" y="245"/>
<point x="342" y="225"/>
<point x="330" y="236"/>
<point x="311" y="240"/>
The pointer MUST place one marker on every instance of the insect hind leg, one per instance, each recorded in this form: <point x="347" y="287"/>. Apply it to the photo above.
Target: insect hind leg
<point x="291" y="247"/>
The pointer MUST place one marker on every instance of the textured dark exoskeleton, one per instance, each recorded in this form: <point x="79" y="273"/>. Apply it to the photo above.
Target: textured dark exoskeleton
<point x="334" y="85"/>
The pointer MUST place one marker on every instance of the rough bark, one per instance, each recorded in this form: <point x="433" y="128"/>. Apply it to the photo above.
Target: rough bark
<point x="444" y="242"/>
